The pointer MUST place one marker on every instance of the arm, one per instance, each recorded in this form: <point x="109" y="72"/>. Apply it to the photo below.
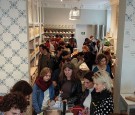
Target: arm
<point x="108" y="107"/>
<point x="75" y="97"/>
<point x="34" y="99"/>
<point x="51" y="91"/>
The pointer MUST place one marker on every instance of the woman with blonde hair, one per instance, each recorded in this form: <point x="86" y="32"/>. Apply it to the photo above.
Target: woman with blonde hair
<point x="43" y="91"/>
<point x="103" y="103"/>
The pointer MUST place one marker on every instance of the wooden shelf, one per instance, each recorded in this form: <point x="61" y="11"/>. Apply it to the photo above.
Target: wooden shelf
<point x="32" y="70"/>
<point x="64" y="32"/>
<point x="33" y="74"/>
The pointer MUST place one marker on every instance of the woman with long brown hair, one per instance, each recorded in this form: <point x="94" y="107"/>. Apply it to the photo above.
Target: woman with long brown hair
<point x="71" y="86"/>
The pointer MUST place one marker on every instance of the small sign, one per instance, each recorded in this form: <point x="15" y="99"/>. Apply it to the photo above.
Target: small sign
<point x="82" y="33"/>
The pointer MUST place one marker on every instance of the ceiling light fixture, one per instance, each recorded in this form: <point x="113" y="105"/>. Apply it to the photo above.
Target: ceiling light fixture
<point x="74" y="14"/>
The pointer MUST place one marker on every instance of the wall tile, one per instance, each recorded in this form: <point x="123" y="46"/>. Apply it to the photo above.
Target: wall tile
<point x="13" y="43"/>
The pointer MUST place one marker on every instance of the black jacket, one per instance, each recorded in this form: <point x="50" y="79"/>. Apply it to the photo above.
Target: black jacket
<point x="102" y="104"/>
<point x="76" y="91"/>
<point x="85" y="94"/>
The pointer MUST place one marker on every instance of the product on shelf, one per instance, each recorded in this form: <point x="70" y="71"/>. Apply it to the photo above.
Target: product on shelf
<point x="50" y="31"/>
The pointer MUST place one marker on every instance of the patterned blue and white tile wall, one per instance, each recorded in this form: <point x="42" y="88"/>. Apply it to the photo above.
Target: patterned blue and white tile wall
<point x="13" y="43"/>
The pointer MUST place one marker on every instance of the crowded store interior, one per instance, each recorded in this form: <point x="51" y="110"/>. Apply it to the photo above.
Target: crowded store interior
<point x="67" y="57"/>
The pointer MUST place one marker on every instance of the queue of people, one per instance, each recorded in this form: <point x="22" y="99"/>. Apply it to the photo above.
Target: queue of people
<point x="58" y="76"/>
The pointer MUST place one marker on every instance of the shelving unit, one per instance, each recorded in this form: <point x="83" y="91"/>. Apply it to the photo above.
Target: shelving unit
<point x="63" y="30"/>
<point x="36" y="33"/>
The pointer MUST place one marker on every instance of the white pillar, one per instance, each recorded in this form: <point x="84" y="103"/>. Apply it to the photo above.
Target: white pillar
<point x="114" y="21"/>
<point x="125" y="68"/>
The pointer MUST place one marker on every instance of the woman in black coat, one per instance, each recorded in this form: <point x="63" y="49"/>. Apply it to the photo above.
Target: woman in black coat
<point x="102" y="104"/>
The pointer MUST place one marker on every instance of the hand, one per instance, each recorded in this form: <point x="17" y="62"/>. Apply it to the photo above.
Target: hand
<point x="54" y="83"/>
<point x="52" y="102"/>
<point x="56" y="98"/>
<point x="61" y="92"/>
<point x="65" y="100"/>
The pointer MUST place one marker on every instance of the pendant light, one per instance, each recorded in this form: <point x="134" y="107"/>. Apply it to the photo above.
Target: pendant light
<point x="74" y="14"/>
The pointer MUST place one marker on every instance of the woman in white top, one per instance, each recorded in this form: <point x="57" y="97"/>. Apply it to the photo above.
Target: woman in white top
<point x="89" y="91"/>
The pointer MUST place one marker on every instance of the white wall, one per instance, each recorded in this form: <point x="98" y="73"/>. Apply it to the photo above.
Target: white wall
<point x="80" y="37"/>
<point x="59" y="16"/>
<point x="108" y="21"/>
<point x="125" y="69"/>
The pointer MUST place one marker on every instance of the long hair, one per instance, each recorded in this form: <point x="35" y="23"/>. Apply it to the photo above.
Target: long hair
<point x="62" y="75"/>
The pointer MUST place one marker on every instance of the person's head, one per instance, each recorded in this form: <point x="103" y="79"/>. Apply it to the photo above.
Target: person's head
<point x="65" y="60"/>
<point x="46" y="74"/>
<point x="62" y="44"/>
<point x="43" y="48"/>
<point x="101" y="59"/>
<point x="13" y="104"/>
<point x="59" y="50"/>
<point x="47" y="41"/>
<point x="80" y="55"/>
<point x="107" y="54"/>
<point x="102" y="81"/>
<point x="91" y="37"/>
<point x="68" y="72"/>
<point x="108" y="50"/>
<point x="66" y="54"/>
<point x="72" y="35"/>
<point x="56" y="35"/>
<point x="85" y="48"/>
<point x="23" y="87"/>
<point x="86" y="41"/>
<point x="88" y="80"/>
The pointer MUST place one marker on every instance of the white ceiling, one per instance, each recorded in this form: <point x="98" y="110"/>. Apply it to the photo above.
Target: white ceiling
<point x="82" y="4"/>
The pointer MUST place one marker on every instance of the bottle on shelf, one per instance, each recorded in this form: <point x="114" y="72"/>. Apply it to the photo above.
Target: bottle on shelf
<point x="60" y="101"/>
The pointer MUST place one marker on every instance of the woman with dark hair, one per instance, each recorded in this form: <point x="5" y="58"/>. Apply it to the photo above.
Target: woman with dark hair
<point x="71" y="87"/>
<point x="102" y="64"/>
<point x="56" y="73"/>
<point x="88" y="93"/>
<point x="13" y="104"/>
<point x="23" y="87"/>
<point x="89" y="57"/>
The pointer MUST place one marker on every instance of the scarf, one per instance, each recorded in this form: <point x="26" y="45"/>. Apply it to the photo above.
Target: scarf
<point x="43" y="85"/>
<point x="99" y="97"/>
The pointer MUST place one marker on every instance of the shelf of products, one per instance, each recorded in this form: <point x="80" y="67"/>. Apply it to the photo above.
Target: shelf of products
<point x="33" y="74"/>
<point x="63" y="31"/>
<point x="36" y="33"/>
